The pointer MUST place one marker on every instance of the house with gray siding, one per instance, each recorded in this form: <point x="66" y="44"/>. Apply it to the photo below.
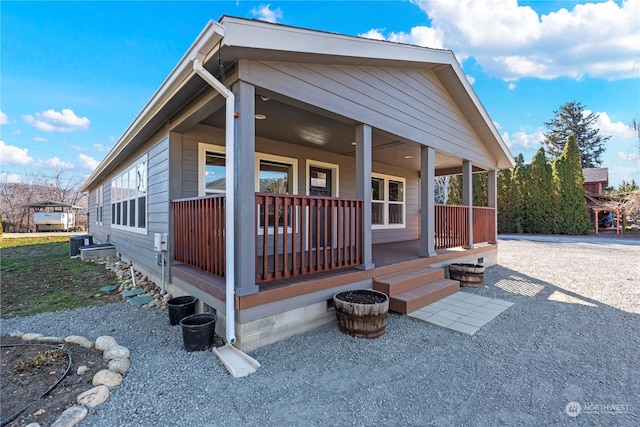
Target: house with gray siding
<point x="282" y="165"/>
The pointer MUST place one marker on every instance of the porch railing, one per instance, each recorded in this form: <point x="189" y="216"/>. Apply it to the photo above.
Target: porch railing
<point x="199" y="233"/>
<point x="484" y="224"/>
<point x="305" y="234"/>
<point x="452" y="229"/>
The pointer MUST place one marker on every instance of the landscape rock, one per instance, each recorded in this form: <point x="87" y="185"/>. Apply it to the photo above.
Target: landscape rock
<point x="31" y="336"/>
<point x="71" y="416"/>
<point x="79" y="340"/>
<point x="107" y="377"/>
<point x="116" y="352"/>
<point x="17" y="334"/>
<point x="82" y="370"/>
<point x="105" y="342"/>
<point x="119" y="365"/>
<point x="94" y="396"/>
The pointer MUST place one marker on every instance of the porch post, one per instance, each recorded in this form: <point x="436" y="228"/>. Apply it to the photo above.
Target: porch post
<point x="363" y="190"/>
<point x="427" y="202"/>
<point x="244" y="186"/>
<point x="467" y="197"/>
<point x="492" y="185"/>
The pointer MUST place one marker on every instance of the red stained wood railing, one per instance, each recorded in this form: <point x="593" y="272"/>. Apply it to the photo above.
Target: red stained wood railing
<point x="451" y="226"/>
<point x="305" y="234"/>
<point x="199" y="233"/>
<point x="484" y="224"/>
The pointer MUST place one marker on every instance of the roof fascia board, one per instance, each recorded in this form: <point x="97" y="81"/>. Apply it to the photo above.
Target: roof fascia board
<point x="252" y="34"/>
<point x="201" y="48"/>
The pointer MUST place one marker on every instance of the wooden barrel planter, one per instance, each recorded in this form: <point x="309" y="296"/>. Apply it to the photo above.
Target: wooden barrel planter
<point x="469" y="275"/>
<point x="362" y="313"/>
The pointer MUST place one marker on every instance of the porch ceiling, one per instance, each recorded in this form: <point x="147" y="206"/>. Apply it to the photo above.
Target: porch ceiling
<point x="297" y="123"/>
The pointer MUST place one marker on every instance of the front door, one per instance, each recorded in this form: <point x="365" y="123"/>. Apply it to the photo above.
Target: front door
<point x="320" y="184"/>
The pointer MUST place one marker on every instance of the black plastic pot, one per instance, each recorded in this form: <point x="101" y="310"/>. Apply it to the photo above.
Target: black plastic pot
<point x="198" y="331"/>
<point x="181" y="307"/>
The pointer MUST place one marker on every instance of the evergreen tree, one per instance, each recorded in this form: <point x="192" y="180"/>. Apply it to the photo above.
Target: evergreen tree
<point x="540" y="207"/>
<point x="454" y="196"/>
<point x="573" y="217"/>
<point x="570" y="119"/>
<point x="519" y="198"/>
<point x="505" y="211"/>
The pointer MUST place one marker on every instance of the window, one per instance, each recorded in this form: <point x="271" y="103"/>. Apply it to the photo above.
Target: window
<point x="275" y="174"/>
<point x="99" y="204"/>
<point x="129" y="198"/>
<point x="215" y="172"/>
<point x="387" y="201"/>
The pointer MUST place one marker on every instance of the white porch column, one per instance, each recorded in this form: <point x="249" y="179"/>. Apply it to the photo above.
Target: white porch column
<point x="467" y="196"/>
<point x="363" y="190"/>
<point x="492" y="185"/>
<point x="427" y="202"/>
<point x="245" y="200"/>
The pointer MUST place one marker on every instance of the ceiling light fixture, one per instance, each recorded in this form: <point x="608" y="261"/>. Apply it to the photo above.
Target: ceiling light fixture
<point x="408" y="157"/>
<point x="260" y="116"/>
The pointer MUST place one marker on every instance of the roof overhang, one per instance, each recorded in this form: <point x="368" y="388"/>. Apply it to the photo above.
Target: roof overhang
<point x="160" y="107"/>
<point x="237" y="38"/>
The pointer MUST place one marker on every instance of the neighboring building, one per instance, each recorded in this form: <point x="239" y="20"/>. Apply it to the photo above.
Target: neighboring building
<point x="285" y="165"/>
<point x="595" y="179"/>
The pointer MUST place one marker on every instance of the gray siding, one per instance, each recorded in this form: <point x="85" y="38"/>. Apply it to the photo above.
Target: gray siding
<point x="411" y="103"/>
<point x="138" y="247"/>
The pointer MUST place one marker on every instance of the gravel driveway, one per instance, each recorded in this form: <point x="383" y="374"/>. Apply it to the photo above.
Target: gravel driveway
<point x="566" y="353"/>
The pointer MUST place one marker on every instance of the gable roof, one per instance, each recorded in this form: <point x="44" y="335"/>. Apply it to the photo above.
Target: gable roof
<point x="240" y="38"/>
<point x="592" y="175"/>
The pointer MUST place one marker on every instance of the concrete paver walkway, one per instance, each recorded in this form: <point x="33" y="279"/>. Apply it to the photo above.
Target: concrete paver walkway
<point x="462" y="312"/>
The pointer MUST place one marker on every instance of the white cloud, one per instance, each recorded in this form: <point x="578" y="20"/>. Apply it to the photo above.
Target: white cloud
<point x="471" y="79"/>
<point x="419" y="36"/>
<point x="512" y="41"/>
<point x="265" y="13"/>
<point x="56" y="163"/>
<point x="100" y="148"/>
<point x="11" y="155"/>
<point x="88" y="162"/>
<point x="511" y="86"/>
<point x="4" y="119"/>
<point x="17" y="132"/>
<point x="75" y="148"/>
<point x="521" y="139"/>
<point x="607" y="127"/>
<point x="628" y="157"/>
<point x="12" y="178"/>
<point x="54" y="121"/>
<point x="38" y="139"/>
<point x="374" y="34"/>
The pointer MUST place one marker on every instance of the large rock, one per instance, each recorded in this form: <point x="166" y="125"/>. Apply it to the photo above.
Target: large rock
<point x="116" y="352"/>
<point x="94" y="396"/>
<point x="120" y="365"/>
<point x="107" y="377"/>
<point x="71" y="416"/>
<point x="105" y="342"/>
<point x="79" y="340"/>
<point x="31" y="336"/>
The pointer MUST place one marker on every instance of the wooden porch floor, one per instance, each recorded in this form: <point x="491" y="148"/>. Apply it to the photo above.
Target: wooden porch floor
<point x="388" y="258"/>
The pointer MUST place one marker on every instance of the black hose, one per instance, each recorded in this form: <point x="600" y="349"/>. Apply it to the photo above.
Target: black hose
<point x="64" y="374"/>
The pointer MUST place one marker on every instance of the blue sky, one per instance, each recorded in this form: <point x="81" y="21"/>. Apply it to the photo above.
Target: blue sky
<point x="75" y="74"/>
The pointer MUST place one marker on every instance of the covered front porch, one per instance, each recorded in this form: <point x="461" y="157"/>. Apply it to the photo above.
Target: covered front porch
<point x="303" y="235"/>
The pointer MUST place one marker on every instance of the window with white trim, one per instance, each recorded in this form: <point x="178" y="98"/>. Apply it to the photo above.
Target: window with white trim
<point x="99" y="204"/>
<point x="276" y="174"/>
<point x="129" y="198"/>
<point x="387" y="201"/>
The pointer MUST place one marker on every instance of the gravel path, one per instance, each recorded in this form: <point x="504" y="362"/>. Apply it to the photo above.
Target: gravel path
<point x="571" y="336"/>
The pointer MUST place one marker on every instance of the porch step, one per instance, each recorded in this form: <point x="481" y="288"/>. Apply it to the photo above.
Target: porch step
<point x="416" y="298"/>
<point x="396" y="283"/>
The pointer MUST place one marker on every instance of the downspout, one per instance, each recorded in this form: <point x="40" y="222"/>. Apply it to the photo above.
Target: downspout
<point x="199" y="69"/>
